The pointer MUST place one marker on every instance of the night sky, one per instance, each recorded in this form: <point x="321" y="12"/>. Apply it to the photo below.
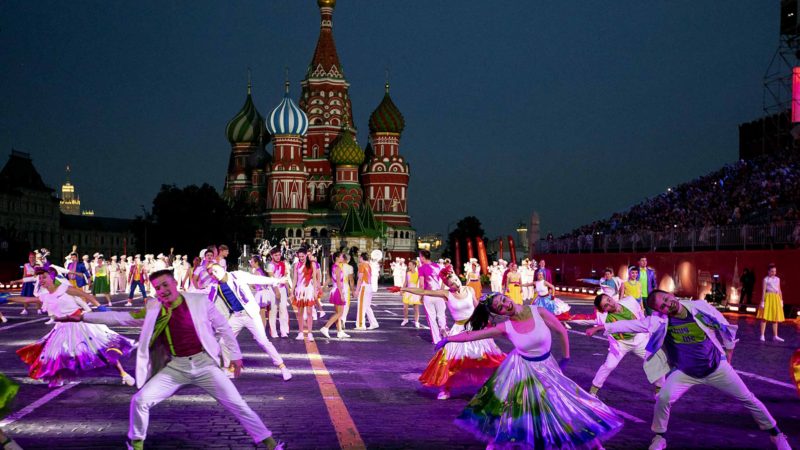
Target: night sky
<point x="572" y="109"/>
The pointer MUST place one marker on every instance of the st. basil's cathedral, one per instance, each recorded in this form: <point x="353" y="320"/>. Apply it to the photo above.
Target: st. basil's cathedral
<point x="319" y="183"/>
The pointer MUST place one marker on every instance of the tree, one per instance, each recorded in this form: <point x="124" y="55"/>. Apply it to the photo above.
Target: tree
<point x="468" y="227"/>
<point x="191" y="218"/>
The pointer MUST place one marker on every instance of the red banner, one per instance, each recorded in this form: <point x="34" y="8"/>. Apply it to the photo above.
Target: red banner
<point x="457" y="257"/>
<point x="500" y="252"/>
<point x="482" y="258"/>
<point x="512" y="249"/>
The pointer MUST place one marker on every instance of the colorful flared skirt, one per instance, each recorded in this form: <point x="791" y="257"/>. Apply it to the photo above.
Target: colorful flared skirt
<point x="556" y="306"/>
<point x="530" y="404"/>
<point x="773" y="308"/>
<point x="411" y="299"/>
<point x="461" y="364"/>
<point x="73" y="349"/>
<point x="514" y="292"/>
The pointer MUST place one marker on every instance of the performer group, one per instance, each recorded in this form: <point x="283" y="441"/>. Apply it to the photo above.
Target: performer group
<point x="193" y="313"/>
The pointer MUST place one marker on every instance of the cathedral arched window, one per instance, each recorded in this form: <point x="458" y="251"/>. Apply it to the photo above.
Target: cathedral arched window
<point x="314" y="233"/>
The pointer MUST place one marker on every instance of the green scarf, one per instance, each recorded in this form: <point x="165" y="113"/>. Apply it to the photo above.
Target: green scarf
<point x="161" y="322"/>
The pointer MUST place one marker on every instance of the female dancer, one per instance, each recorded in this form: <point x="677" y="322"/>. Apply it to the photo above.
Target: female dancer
<point x="337" y="297"/>
<point x="528" y="402"/>
<point x="72" y="349"/>
<point x="412" y="281"/>
<point x="771" y="307"/>
<point x="546" y="298"/>
<point x="474" y="277"/>
<point x="264" y="294"/>
<point x="305" y="293"/>
<point x="347" y="270"/>
<point x="512" y="283"/>
<point x="458" y="364"/>
<point x="100" y="283"/>
<point x="189" y="279"/>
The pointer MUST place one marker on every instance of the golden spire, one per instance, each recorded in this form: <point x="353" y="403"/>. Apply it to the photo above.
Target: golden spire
<point x="249" y="81"/>
<point x="328" y="3"/>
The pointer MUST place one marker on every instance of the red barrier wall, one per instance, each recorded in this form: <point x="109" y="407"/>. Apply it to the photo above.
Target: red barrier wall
<point x="689" y="274"/>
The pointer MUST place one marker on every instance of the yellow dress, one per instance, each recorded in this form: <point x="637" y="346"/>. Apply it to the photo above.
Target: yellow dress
<point x="413" y="281"/>
<point x="514" y="290"/>
<point x="773" y="308"/>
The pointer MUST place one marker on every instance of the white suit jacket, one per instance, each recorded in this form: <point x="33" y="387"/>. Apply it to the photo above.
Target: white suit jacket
<point x="239" y="282"/>
<point x="633" y="305"/>
<point x="211" y="327"/>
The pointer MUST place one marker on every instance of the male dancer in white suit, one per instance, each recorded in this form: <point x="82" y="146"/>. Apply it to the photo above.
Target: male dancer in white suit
<point x="231" y="293"/>
<point x="619" y="344"/>
<point x="178" y="346"/>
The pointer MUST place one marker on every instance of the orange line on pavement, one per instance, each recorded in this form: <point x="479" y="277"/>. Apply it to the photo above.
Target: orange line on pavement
<point x="346" y="432"/>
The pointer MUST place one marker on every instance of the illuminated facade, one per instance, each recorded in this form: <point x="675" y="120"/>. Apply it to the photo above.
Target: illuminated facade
<point x="70" y="202"/>
<point x="319" y="183"/>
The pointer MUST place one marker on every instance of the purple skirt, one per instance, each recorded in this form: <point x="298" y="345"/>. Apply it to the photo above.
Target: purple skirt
<point x="336" y="298"/>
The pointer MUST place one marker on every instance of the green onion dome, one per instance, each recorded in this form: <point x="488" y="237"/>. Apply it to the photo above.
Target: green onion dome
<point x="386" y="118"/>
<point x="345" y="151"/>
<point x="247" y="125"/>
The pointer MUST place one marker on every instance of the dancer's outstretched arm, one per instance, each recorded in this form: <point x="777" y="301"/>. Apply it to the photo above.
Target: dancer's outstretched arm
<point x="556" y="327"/>
<point x="418" y="291"/>
<point x="486" y="333"/>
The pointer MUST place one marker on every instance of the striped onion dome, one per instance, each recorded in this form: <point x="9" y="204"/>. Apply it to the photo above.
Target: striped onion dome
<point x="345" y="151"/>
<point x="247" y="125"/>
<point x="287" y="118"/>
<point x="386" y="118"/>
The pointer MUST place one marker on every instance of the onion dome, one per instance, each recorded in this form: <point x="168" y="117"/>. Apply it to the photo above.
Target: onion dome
<point x="345" y="151"/>
<point x="287" y="118"/>
<point x="386" y="118"/>
<point x="247" y="125"/>
<point x="328" y="3"/>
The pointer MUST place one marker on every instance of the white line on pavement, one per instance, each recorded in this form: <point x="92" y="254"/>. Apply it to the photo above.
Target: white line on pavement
<point x="386" y="310"/>
<point x="8" y="327"/>
<point x="626" y="415"/>
<point x="32" y="407"/>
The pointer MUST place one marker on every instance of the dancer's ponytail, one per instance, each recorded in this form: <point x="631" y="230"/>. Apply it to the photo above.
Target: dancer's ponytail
<point x="480" y="317"/>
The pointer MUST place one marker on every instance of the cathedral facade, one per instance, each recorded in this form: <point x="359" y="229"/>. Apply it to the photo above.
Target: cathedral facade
<point x="318" y="182"/>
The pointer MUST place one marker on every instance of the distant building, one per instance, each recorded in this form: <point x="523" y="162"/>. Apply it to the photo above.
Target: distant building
<point x="431" y="243"/>
<point x="70" y="202"/>
<point x="318" y="182"/>
<point x="28" y="209"/>
<point x="31" y="218"/>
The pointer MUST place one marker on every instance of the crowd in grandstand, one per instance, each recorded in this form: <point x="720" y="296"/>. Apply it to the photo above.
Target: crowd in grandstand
<point x="758" y="191"/>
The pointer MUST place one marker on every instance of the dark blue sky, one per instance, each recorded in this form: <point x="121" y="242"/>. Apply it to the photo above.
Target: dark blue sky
<point x="573" y="109"/>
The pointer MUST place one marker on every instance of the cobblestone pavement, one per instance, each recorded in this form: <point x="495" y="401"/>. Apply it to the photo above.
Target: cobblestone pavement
<point x="375" y="374"/>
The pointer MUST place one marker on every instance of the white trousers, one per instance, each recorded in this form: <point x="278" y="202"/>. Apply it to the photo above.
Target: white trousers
<point x="612" y="360"/>
<point x="240" y="320"/>
<point x="198" y="370"/>
<point x="725" y="379"/>
<point x="437" y="321"/>
<point x="365" y="307"/>
<point x="527" y="292"/>
<point x="278" y="309"/>
<point x="113" y="281"/>
<point x="497" y="285"/>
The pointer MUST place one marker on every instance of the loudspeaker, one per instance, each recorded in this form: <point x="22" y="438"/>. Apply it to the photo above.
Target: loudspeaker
<point x="789" y="15"/>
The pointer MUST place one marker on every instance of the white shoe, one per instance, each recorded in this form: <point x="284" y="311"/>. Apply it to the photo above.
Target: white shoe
<point x="762" y="338"/>
<point x="128" y="304"/>
<point x="778" y="339"/>
<point x="24" y="312"/>
<point x="372" y="326"/>
<point x="324" y="332"/>
<point x="320" y="314"/>
<point x="284" y="335"/>
<point x="310" y="337"/>
<point x="780" y="442"/>
<point x="360" y="328"/>
<point x="3" y="318"/>
<point x="299" y="336"/>
<point x="39" y="312"/>
<point x="443" y="395"/>
<point x="129" y="380"/>
<point x="658" y="443"/>
<point x="50" y="322"/>
<point x="404" y="322"/>
<point x="286" y="374"/>
<point x="416" y="324"/>
<point x="342" y="335"/>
